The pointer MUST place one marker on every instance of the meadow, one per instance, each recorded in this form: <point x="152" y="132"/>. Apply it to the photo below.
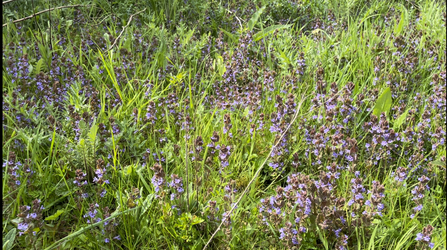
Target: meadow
<point x="191" y="124"/>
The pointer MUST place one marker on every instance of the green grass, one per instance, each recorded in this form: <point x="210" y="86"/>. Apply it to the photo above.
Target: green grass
<point x="182" y="62"/>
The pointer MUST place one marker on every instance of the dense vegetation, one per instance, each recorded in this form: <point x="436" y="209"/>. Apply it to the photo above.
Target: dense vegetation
<point x="276" y="124"/>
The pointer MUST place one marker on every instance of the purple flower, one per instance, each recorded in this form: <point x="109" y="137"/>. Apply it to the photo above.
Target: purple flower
<point x="418" y="208"/>
<point x="342" y="220"/>
<point x="350" y="202"/>
<point x="23" y="227"/>
<point x="419" y="237"/>
<point x="274" y="165"/>
<point x="272" y="200"/>
<point x="295" y="241"/>
<point x="337" y="232"/>
<point x="282" y="235"/>
<point x="425" y="236"/>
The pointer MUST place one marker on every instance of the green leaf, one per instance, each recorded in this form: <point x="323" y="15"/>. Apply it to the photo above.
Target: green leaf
<point x="254" y="18"/>
<point x="221" y="65"/>
<point x="400" y="26"/>
<point x="253" y="156"/>
<point x="371" y="241"/>
<point x="9" y="239"/>
<point x="188" y="36"/>
<point x="129" y="169"/>
<point x="405" y="238"/>
<point x="246" y="111"/>
<point x="5" y="245"/>
<point x="69" y="23"/>
<point x="16" y="221"/>
<point x="399" y="121"/>
<point x="55" y="215"/>
<point x="107" y="38"/>
<point x="30" y="68"/>
<point x="284" y="57"/>
<point x="383" y="103"/>
<point x="196" y="220"/>
<point x="128" y="43"/>
<point x="147" y="203"/>
<point x="143" y="180"/>
<point x="438" y="163"/>
<point x="92" y="132"/>
<point x="323" y="239"/>
<point x="39" y="65"/>
<point x="34" y="193"/>
<point x="265" y="32"/>
<point x="82" y="142"/>
<point x="200" y="109"/>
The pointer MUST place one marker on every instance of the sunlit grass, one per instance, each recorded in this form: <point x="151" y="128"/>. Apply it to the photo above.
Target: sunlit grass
<point x="205" y="90"/>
